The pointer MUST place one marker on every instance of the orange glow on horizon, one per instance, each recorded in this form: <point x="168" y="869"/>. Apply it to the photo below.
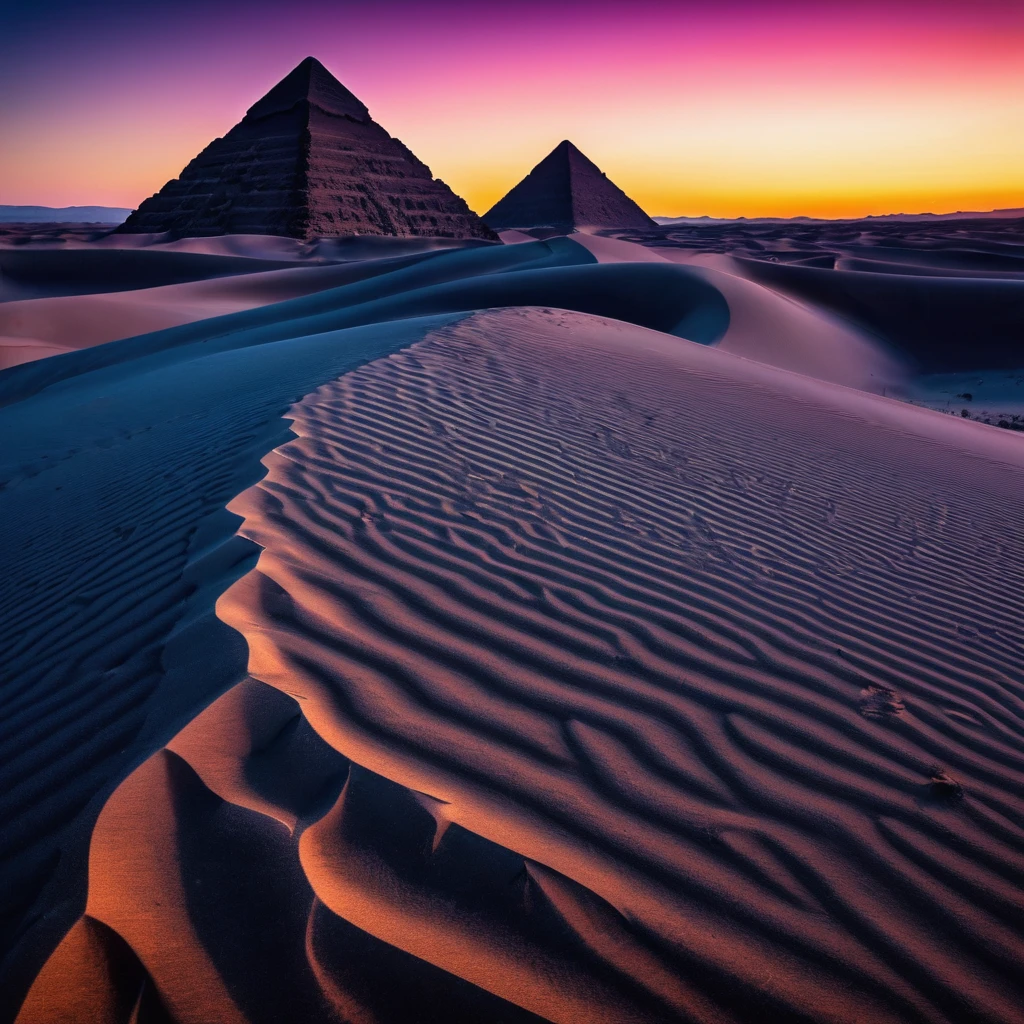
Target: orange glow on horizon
<point x="830" y="115"/>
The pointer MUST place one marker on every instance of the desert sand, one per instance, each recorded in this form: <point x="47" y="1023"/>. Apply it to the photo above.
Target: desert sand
<point x="589" y="629"/>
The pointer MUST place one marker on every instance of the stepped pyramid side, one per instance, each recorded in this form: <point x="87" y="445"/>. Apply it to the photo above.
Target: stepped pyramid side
<point x="307" y="161"/>
<point x="566" y="191"/>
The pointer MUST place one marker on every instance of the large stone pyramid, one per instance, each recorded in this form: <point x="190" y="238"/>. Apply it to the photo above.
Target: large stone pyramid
<point x="566" y="191"/>
<point x="307" y="161"/>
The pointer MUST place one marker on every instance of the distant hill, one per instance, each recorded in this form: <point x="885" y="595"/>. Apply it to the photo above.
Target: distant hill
<point x="62" y="215"/>
<point x="989" y="215"/>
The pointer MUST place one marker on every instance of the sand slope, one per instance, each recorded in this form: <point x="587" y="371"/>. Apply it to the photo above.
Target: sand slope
<point x="116" y="466"/>
<point x="942" y="324"/>
<point x="556" y="273"/>
<point x="602" y="677"/>
<point x="35" y="328"/>
<point x="29" y="272"/>
<point x="709" y="299"/>
<point x="595" y="675"/>
<point x="773" y="327"/>
<point x="112" y="495"/>
<point x="944" y="295"/>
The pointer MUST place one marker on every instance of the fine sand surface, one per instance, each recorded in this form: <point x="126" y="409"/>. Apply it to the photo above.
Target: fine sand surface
<point x="945" y="296"/>
<point x="570" y="671"/>
<point x="35" y="328"/>
<point x="116" y="465"/>
<point x="773" y="327"/>
<point x="599" y="644"/>
<point x="710" y="302"/>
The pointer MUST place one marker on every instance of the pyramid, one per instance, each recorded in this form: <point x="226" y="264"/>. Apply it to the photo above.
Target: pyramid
<point x="566" y="191"/>
<point x="307" y="161"/>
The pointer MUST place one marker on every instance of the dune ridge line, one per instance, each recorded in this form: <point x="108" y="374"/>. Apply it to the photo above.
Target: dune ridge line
<point x="617" y="678"/>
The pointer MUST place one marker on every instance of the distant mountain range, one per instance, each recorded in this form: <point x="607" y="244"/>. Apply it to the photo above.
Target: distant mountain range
<point x="961" y="215"/>
<point x="62" y="214"/>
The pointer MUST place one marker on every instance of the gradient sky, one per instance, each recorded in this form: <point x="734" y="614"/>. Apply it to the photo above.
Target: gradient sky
<point x="724" y="108"/>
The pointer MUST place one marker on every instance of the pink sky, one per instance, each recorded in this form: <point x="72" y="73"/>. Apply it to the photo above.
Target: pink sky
<point x="727" y="109"/>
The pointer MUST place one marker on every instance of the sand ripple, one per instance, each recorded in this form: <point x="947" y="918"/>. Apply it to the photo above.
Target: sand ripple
<point x="607" y="678"/>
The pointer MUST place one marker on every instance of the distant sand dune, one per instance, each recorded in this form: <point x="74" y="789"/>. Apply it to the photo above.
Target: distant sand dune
<point x="796" y="334"/>
<point x="941" y="324"/>
<point x="557" y="273"/>
<point x="599" y="677"/>
<point x="29" y="272"/>
<point x="34" y="328"/>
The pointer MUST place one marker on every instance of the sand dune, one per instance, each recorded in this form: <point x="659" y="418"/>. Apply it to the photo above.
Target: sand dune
<point x="275" y="247"/>
<point x="583" y="652"/>
<point x="35" y="328"/>
<point x="943" y="296"/>
<point x="16" y="350"/>
<point x="557" y="273"/>
<point x="773" y="327"/>
<point x="713" y="303"/>
<point x="949" y="260"/>
<point x="594" y="676"/>
<point x="613" y="250"/>
<point x="27" y="272"/>
<point x="942" y="324"/>
<point x="740" y="311"/>
<point x="112" y="493"/>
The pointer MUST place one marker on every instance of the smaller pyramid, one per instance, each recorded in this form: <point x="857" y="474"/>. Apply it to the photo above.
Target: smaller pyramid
<point x="307" y="161"/>
<point x="566" y="191"/>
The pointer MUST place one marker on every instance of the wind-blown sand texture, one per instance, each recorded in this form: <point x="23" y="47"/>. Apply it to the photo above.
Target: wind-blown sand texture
<point x="557" y="668"/>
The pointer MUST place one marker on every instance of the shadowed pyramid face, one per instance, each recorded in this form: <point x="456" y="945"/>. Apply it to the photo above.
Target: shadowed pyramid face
<point x="307" y="161"/>
<point x="566" y="191"/>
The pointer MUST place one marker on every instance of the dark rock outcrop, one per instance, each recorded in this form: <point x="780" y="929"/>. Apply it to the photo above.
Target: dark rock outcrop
<point x="307" y="161"/>
<point x="566" y="191"/>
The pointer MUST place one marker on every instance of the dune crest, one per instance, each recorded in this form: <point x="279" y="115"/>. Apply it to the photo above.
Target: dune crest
<point x="620" y="679"/>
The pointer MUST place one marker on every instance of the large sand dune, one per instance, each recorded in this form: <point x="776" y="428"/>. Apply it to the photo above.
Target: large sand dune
<point x="613" y="677"/>
<point x="118" y="544"/>
<point x="563" y="661"/>
<point x="945" y="295"/>
<point x="35" y="328"/>
<point x="558" y="272"/>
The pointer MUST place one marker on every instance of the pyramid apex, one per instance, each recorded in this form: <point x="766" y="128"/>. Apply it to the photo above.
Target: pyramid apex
<point x="310" y="63"/>
<point x="310" y="82"/>
<point x="567" y="151"/>
<point x="564" y="148"/>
